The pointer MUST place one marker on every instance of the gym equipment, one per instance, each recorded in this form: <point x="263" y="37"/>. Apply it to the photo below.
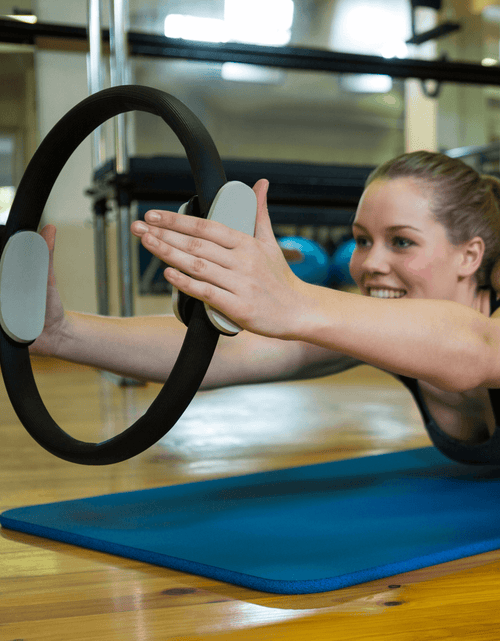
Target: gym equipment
<point x="338" y="270"/>
<point x="24" y="270"/>
<point x="313" y="267"/>
<point x="294" y="531"/>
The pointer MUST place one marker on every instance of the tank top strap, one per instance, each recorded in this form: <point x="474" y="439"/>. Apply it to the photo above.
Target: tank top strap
<point x="494" y="303"/>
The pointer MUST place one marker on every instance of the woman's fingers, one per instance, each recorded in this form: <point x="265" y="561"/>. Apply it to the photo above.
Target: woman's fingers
<point x="162" y="242"/>
<point x="191" y="226"/>
<point x="203" y="290"/>
<point x="263" y="226"/>
<point x="199" y="265"/>
<point x="247" y="278"/>
<point x="48" y="233"/>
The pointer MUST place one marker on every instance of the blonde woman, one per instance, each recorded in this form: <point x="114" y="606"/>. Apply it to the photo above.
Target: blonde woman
<point x="427" y="233"/>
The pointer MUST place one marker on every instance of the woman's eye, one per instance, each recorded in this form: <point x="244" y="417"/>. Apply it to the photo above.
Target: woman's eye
<point x="403" y="243"/>
<point x="399" y="242"/>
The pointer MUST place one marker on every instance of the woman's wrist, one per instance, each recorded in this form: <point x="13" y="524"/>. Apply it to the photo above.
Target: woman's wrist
<point x="63" y="337"/>
<point x="300" y="323"/>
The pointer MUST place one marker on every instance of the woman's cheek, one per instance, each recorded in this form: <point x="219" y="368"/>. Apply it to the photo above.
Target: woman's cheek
<point x="354" y="268"/>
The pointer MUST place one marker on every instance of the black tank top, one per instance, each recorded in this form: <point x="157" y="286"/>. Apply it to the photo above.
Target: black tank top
<point x="485" y="453"/>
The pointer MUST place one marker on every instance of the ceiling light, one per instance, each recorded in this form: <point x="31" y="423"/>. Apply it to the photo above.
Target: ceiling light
<point x="366" y="83"/>
<point x="237" y="72"/>
<point x="28" y="18"/>
<point x="195" y="28"/>
<point x="261" y="22"/>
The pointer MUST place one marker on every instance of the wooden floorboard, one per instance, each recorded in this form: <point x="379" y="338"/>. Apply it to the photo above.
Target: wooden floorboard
<point x="58" y="592"/>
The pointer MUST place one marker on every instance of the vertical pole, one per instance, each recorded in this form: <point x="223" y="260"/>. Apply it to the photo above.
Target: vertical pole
<point x="421" y="111"/>
<point x="95" y="74"/>
<point x="119" y="76"/>
<point x="98" y="146"/>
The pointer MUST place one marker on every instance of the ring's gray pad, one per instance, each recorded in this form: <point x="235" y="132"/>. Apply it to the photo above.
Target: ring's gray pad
<point x="235" y="206"/>
<point x="24" y="269"/>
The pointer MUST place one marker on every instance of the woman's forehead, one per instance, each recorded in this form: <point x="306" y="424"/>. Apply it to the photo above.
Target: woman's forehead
<point x="389" y="203"/>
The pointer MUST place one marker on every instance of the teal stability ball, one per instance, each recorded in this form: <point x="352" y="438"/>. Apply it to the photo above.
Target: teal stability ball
<point x="313" y="265"/>
<point x="338" y="272"/>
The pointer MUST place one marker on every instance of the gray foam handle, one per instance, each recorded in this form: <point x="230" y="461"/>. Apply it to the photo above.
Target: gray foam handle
<point x="24" y="269"/>
<point x="235" y="206"/>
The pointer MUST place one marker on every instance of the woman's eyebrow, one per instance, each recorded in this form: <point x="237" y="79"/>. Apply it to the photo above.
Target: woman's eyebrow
<point x="392" y="228"/>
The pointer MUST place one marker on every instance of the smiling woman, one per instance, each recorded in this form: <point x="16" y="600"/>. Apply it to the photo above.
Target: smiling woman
<point x="463" y="202"/>
<point x="243" y="276"/>
<point x="426" y="314"/>
<point x="448" y="252"/>
<point x="438" y="341"/>
<point x="416" y="258"/>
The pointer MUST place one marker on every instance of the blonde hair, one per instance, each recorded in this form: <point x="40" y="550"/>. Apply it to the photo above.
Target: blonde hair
<point x="465" y="202"/>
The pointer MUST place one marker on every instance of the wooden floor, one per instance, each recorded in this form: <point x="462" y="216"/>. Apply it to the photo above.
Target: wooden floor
<point x="57" y="592"/>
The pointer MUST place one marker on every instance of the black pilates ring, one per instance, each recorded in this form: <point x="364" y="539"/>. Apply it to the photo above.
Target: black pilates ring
<point x="201" y="336"/>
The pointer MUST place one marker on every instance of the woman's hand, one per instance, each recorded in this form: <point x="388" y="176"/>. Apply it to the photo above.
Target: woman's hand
<point x="46" y="343"/>
<point x="246" y="278"/>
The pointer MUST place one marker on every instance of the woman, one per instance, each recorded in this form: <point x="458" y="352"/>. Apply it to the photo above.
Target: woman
<point x="427" y="230"/>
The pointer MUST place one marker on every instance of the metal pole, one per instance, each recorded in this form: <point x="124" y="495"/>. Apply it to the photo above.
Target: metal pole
<point x="119" y="76"/>
<point x="95" y="74"/>
<point x="98" y="145"/>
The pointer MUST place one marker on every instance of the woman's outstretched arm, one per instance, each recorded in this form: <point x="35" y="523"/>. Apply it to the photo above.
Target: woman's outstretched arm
<point x="444" y="343"/>
<point x="146" y="348"/>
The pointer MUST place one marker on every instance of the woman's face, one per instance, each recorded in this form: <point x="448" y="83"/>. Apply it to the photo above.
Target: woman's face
<point x="400" y="249"/>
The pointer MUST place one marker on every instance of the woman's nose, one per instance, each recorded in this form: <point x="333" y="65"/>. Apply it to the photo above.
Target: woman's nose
<point x="376" y="260"/>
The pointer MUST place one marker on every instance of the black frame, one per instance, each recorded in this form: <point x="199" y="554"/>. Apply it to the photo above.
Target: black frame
<point x="301" y="58"/>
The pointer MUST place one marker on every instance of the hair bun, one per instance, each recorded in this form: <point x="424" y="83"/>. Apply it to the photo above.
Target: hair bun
<point x="494" y="184"/>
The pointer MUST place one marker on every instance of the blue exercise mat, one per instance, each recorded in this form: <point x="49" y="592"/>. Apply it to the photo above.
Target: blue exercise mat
<point x="295" y="531"/>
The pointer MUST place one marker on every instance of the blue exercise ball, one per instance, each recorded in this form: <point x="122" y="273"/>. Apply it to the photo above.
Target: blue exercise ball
<point x="313" y="266"/>
<point x="338" y="271"/>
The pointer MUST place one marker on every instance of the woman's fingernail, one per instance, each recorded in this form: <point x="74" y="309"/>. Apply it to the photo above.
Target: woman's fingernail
<point x="141" y="227"/>
<point x="153" y="217"/>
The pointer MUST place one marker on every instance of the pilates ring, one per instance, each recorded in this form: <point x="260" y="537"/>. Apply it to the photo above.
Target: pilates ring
<point x="24" y="271"/>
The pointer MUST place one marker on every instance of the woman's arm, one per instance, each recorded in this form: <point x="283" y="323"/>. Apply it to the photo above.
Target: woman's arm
<point x="146" y="348"/>
<point x="444" y="343"/>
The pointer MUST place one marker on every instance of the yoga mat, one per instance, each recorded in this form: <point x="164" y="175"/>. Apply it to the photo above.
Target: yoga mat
<point x="307" y="529"/>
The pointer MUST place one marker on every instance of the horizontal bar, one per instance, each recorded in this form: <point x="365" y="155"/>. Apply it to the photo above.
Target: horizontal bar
<point x="157" y="46"/>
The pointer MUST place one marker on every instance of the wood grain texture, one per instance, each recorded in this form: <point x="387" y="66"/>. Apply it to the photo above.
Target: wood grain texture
<point x="58" y="592"/>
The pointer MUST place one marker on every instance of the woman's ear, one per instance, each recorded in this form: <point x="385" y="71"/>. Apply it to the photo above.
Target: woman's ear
<point x="472" y="256"/>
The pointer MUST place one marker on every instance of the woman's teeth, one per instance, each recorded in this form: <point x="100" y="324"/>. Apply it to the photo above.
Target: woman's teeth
<point x="387" y="293"/>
